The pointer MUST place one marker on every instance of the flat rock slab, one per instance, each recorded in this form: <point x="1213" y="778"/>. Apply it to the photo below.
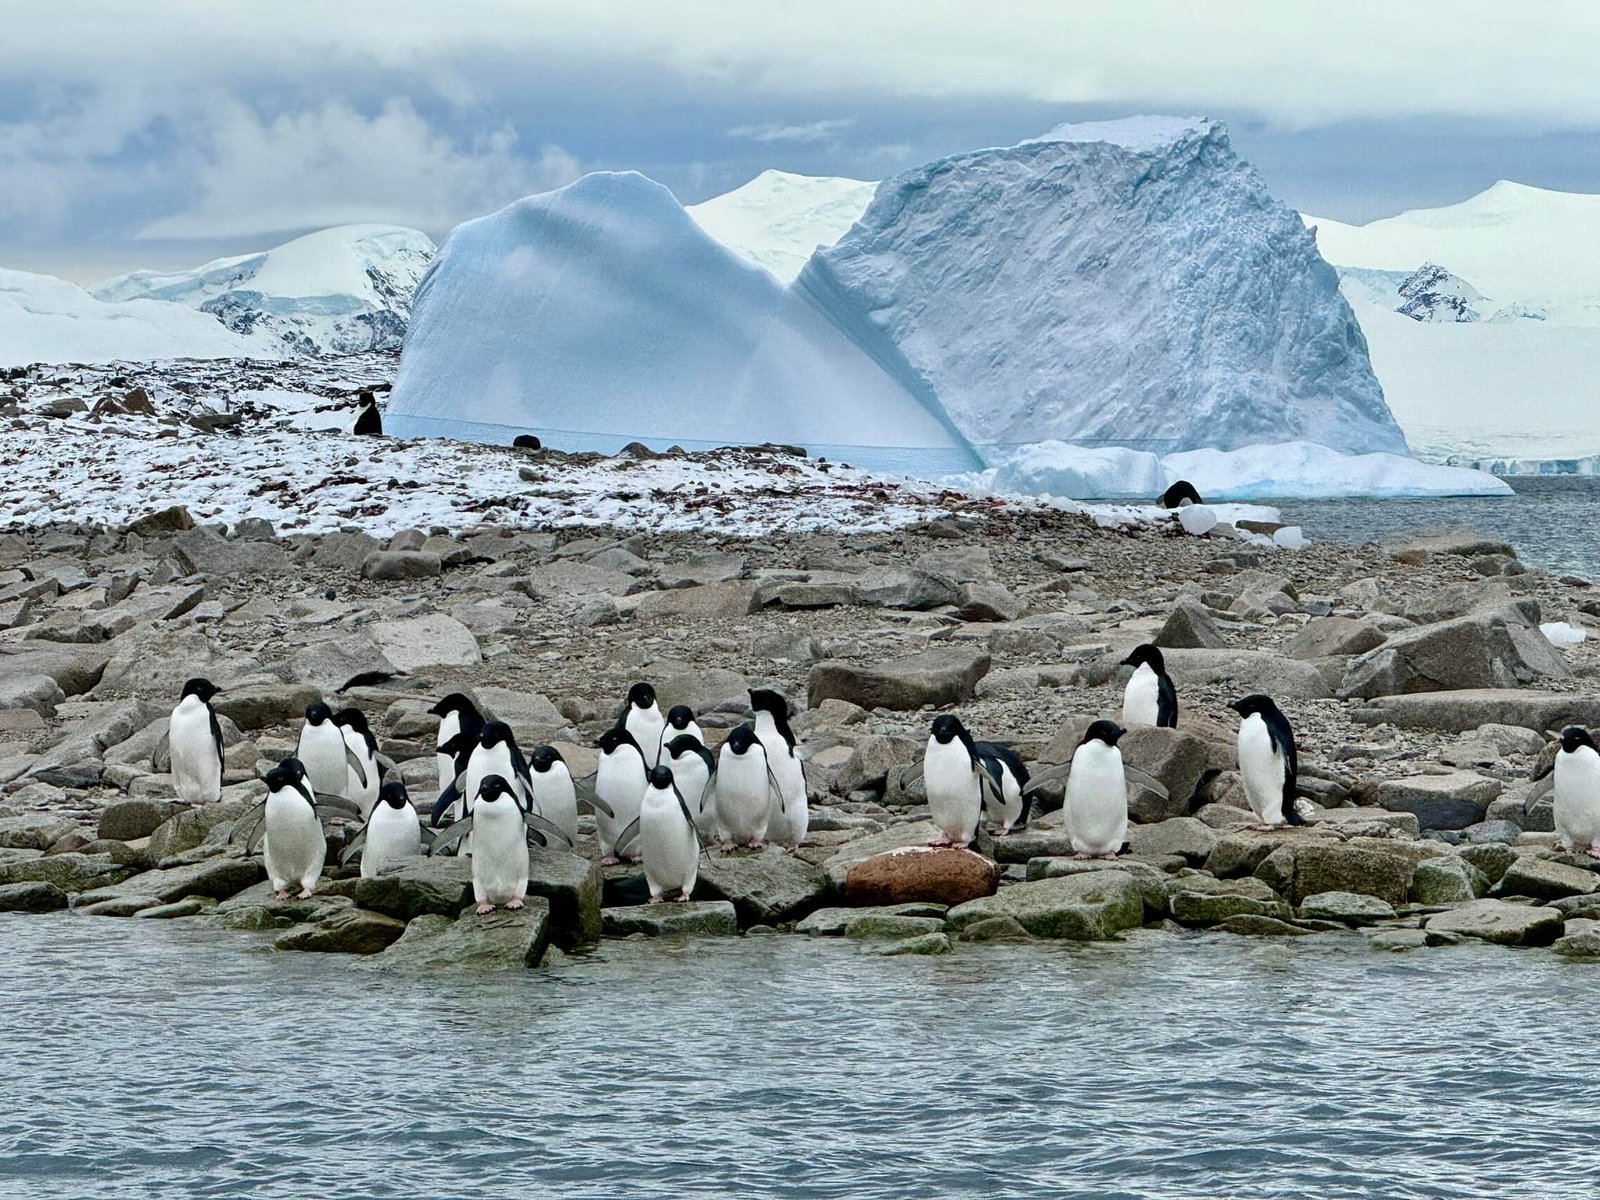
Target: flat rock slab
<point x="1499" y="922"/>
<point x="1094" y="907"/>
<point x="1350" y="907"/>
<point x="1381" y="867"/>
<point x="1198" y="900"/>
<point x="913" y="833"/>
<point x="1248" y="925"/>
<point x="259" y="706"/>
<point x="439" y="886"/>
<point x="131" y="819"/>
<point x="764" y="889"/>
<point x="927" y="943"/>
<point x="705" y="918"/>
<point x="344" y="931"/>
<point x="1459" y="711"/>
<point x="431" y="640"/>
<point x="1153" y="883"/>
<point x="922" y="873"/>
<point x="256" y="909"/>
<point x="71" y="873"/>
<point x="831" y="922"/>
<point x="117" y="906"/>
<point x="1545" y="880"/>
<point x="1452" y="801"/>
<point x="191" y="907"/>
<point x="937" y="677"/>
<point x="501" y="940"/>
<point x="215" y="879"/>
<point x="34" y="896"/>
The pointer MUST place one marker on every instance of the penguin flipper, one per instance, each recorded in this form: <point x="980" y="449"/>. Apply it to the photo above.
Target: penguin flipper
<point x="354" y="848"/>
<point x="545" y="829"/>
<point x="356" y="765"/>
<point x="446" y="798"/>
<point x="164" y="746"/>
<point x="626" y="838"/>
<point x="775" y="788"/>
<point x="451" y="836"/>
<point x="247" y="825"/>
<point x="1145" y="780"/>
<point x="429" y="836"/>
<point x="585" y="792"/>
<point x="341" y="806"/>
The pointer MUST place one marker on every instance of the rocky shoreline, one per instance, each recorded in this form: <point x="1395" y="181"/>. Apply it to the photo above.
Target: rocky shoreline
<point x="1420" y="686"/>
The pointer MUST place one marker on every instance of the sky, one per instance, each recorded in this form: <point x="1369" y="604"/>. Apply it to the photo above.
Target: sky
<point x="166" y="132"/>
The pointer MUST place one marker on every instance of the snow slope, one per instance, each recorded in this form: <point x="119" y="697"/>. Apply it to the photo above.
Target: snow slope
<point x="1524" y="248"/>
<point x="1129" y="283"/>
<point x="600" y="313"/>
<point x="337" y="291"/>
<point x="777" y="219"/>
<point x="44" y="319"/>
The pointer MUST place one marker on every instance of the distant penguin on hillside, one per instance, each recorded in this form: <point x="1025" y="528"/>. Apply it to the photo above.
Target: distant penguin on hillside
<point x="1149" y="698"/>
<point x="194" y="744"/>
<point x="368" y="419"/>
<point x="1096" y="801"/>
<point x="790" y="819"/>
<point x="1577" y="793"/>
<point x="294" y="845"/>
<point x="669" y="843"/>
<point x="1180" y="493"/>
<point x="641" y="717"/>
<point x="526" y="441"/>
<point x="1268" y="764"/>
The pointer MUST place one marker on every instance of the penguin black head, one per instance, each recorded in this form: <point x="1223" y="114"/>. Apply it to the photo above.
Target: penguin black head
<point x="1146" y="656"/>
<point x="680" y="716"/>
<point x="614" y="738"/>
<point x="394" y="794"/>
<point x="1108" y="732"/>
<point x="741" y="739"/>
<point x="767" y="701"/>
<point x="1179" y="494"/>
<point x="1255" y="705"/>
<point x="352" y="718"/>
<point x="684" y="743"/>
<point x="544" y="757"/>
<point x="201" y="689"/>
<point x="641" y="696"/>
<point x="661" y="777"/>
<point x="1574" y="736"/>
<point x="463" y="743"/>
<point x="455" y="702"/>
<point x="495" y="732"/>
<point x="290" y="773"/>
<point x="493" y="787"/>
<point x="948" y="728"/>
<point x="319" y="712"/>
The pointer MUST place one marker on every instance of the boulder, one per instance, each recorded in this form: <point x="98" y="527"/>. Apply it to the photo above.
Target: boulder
<point x="129" y="820"/>
<point x="1500" y="648"/>
<point x="1176" y="758"/>
<point x="1545" y="880"/>
<point x="764" y="889"/>
<point x="1492" y="858"/>
<point x="937" y="677"/>
<point x="995" y="929"/>
<point x="890" y="587"/>
<point x="346" y="552"/>
<point x="831" y="922"/>
<point x="1581" y="940"/>
<point x="1255" y="925"/>
<point x="877" y="927"/>
<point x="34" y="831"/>
<point x="1366" y="866"/>
<point x="442" y="886"/>
<point x="1200" y="900"/>
<point x="255" y="908"/>
<point x="1246" y="671"/>
<point x="710" y="918"/>
<point x="707" y="604"/>
<point x="258" y="706"/>
<point x="189" y="828"/>
<point x="921" y="873"/>
<point x="175" y="519"/>
<point x="431" y="640"/>
<point x="1350" y="907"/>
<point x="987" y="602"/>
<point x="1452" y="801"/>
<point x="1459" y="711"/>
<point x="1447" y="879"/>
<point x="1240" y="852"/>
<point x="72" y="873"/>
<point x="1152" y="882"/>
<point x="213" y="878"/>
<point x="200" y="551"/>
<point x="927" y="943"/>
<point x="964" y="564"/>
<point x="1466" y="543"/>
<point x="914" y="833"/>
<point x="390" y="565"/>
<point x="32" y="896"/>
<point x="1190" y="626"/>
<point x="1329" y="637"/>
<point x="192" y="907"/>
<point x="571" y="884"/>
<point x="1187" y="837"/>
<point x="501" y="940"/>
<point x="710" y="689"/>
<point x="1090" y="907"/>
<point x="344" y="931"/>
<point x="531" y="715"/>
<point x="1496" y="921"/>
<point x="40" y="693"/>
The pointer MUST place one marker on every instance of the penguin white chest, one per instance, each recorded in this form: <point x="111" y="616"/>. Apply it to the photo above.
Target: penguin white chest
<point x="620" y="782"/>
<point x="667" y="842"/>
<point x="1577" y="799"/>
<point x="689" y="772"/>
<point x="1097" y="800"/>
<point x="955" y="796"/>
<point x="449" y="726"/>
<point x="789" y="817"/>
<point x="293" y="846"/>
<point x="196" y="768"/>
<point x="743" y="795"/>
<point x="1142" y="697"/>
<point x="499" y="851"/>
<point x="647" y="725"/>
<point x="322" y="753"/>
<point x="555" y="799"/>
<point x="393" y="835"/>
<point x="1261" y="767"/>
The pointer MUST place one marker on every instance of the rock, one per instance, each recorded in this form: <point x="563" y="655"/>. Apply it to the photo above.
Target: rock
<point x="964" y="564"/>
<point x="256" y="909"/>
<point x="915" y="833"/>
<point x="1349" y="907"/>
<point x="1255" y="925"/>
<point x="572" y="885"/>
<point x="927" y="943"/>
<point x="175" y="519"/>
<point x="1492" y="858"/>
<point x="192" y="827"/>
<point x="331" y="664"/>
<point x="1464" y="542"/>
<point x="213" y="878"/>
<point x="921" y="873"/>
<point x="1199" y="900"/>
<point x="880" y="927"/>
<point x="1240" y="852"/>
<point x="1246" y="671"/>
<point x="32" y="896"/>
<point x="995" y="929"/>
<point x="1447" y="880"/>
<point x="888" y="587"/>
<point x="1505" y="832"/>
<point x="1190" y="626"/>
<point x="531" y="715"/>
<point x="345" y="931"/>
<point x="1498" y="922"/>
<point x="1188" y="837"/>
<point x="987" y="602"/>
<point x="831" y="922"/>
<point x="1089" y="907"/>
<point x="1459" y="711"/>
<point x="1398" y="941"/>
<point x="1176" y="758"/>
<point x="712" y="689"/>
<point x="192" y="907"/>
<point x="389" y="565"/>
<point x="711" y="918"/>
<point x="1451" y="801"/>
<point x="1496" y="649"/>
<point x="1581" y="940"/>
<point x="705" y="605"/>
<point x="1366" y="866"/>
<point x="442" y="886"/>
<point x="501" y="940"/>
<point x="869" y="764"/>
<point x="118" y="906"/>
<point x="40" y="693"/>
<point x="937" y="677"/>
<point x="1328" y="637"/>
<point x="426" y="641"/>
<point x="72" y="873"/>
<point x="1578" y="907"/>
<point x="1152" y="882"/>
<point x="129" y="820"/>
<point x="34" y="831"/>
<point x="262" y="705"/>
<point x="1545" y="880"/>
<point x="764" y="889"/>
<point x="200" y="551"/>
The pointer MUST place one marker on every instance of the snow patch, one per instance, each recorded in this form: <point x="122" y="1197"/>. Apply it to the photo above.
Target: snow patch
<point x="777" y="219"/>
<point x="1559" y="633"/>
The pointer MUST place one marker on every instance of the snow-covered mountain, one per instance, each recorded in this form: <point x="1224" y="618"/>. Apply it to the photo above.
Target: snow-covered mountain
<point x="601" y="314"/>
<point x="336" y="291"/>
<point x="45" y="319"/>
<point x="1125" y="283"/>
<point x="1433" y="294"/>
<point x="777" y="219"/>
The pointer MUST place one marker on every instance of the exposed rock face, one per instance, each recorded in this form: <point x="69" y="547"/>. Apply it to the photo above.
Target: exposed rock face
<point x="1434" y="294"/>
<point x="938" y="677"/>
<point x="1452" y="801"/>
<point x="1499" y="649"/>
<point x="1090" y="907"/>
<point x="1498" y="922"/>
<point x="714" y="918"/>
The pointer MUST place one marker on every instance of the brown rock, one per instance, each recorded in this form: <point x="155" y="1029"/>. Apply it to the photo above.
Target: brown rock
<point x="921" y="873"/>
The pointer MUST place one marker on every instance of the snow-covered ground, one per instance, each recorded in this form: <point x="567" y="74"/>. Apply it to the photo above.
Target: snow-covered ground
<point x="777" y="219"/>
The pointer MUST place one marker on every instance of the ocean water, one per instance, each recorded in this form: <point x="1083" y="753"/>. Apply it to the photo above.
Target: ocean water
<point x="1553" y="521"/>
<point x="157" y="1059"/>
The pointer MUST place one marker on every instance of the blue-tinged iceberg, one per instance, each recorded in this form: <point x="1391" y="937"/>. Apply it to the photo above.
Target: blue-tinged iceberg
<point x="601" y="314"/>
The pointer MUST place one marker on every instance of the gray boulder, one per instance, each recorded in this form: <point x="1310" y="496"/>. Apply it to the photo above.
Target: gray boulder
<point x="937" y="677"/>
<point x="391" y="565"/>
<point x="1352" y="908"/>
<point x="831" y="922"/>
<point x="1200" y="900"/>
<point x="707" y="918"/>
<point x="344" y="931"/>
<point x="1496" y="649"/>
<point x="1452" y="801"/>
<point x="765" y="889"/>
<point x="1190" y="626"/>
<point x="129" y="820"/>
<point x="1447" y="880"/>
<point x="1497" y="921"/>
<point x="1327" y="637"/>
<point x="1089" y="907"/>
<point x="1459" y="711"/>
<point x="34" y="896"/>
<point x="1545" y="880"/>
<point x="501" y="940"/>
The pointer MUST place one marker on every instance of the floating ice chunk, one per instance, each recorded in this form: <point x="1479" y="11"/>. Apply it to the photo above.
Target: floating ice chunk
<point x="1058" y="468"/>
<point x="1559" y="633"/>
<point x="1289" y="537"/>
<point x="1198" y="519"/>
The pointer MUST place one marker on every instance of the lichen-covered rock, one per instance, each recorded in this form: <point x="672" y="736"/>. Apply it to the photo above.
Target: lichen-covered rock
<point x="1352" y="908"/>
<point x="1380" y="867"/>
<point x="1448" y="879"/>
<point x="702" y="918"/>
<point x="344" y="931"/>
<point x="764" y="889"/>
<point x="926" y="943"/>
<point x="1199" y="900"/>
<point x="1091" y="907"/>
<point x="32" y="896"/>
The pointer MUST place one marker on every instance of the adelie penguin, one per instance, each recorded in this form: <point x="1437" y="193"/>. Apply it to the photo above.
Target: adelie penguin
<point x="362" y="782"/>
<point x="1268" y="764"/>
<point x="669" y="841"/>
<point x="680" y="721"/>
<point x="1149" y="697"/>
<point x="789" y="819"/>
<point x="1180" y="494"/>
<point x="746" y="790"/>
<point x="329" y="764"/>
<point x="1577" y="793"/>
<point x="953" y="775"/>
<point x="393" y="833"/>
<point x="619" y="783"/>
<point x="641" y="717"/>
<point x="555" y="796"/>
<point x="692" y="767"/>
<point x="499" y="846"/>
<point x="1007" y="805"/>
<point x="457" y="714"/>
<point x="496" y="753"/>
<point x="1097" y="794"/>
<point x="368" y="420"/>
<point x="294" y="846"/>
<point x="194" y="745"/>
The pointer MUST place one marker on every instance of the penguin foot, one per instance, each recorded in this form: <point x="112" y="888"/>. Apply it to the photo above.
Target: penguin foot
<point x="514" y="903"/>
<point x="684" y="897"/>
<point x="609" y="860"/>
<point x="305" y="893"/>
<point x="1593" y="852"/>
<point x="655" y="898"/>
<point x="283" y="895"/>
<point x="726" y="845"/>
<point x="485" y="909"/>
<point x="1108" y="857"/>
<point x="944" y="839"/>
<point x="1082" y="856"/>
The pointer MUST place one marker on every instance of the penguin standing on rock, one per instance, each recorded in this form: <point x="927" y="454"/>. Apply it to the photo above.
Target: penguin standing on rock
<point x="790" y="818"/>
<point x="1150" y="697"/>
<point x="953" y="774"/>
<point x="555" y="796"/>
<point x="393" y="833"/>
<point x="368" y="420"/>
<point x="619" y="783"/>
<point x="294" y="846"/>
<point x="642" y="718"/>
<point x="1268" y="764"/>
<point x="499" y="846"/>
<point x="692" y="767"/>
<point x="1577" y="793"/>
<point x="1097" y="794"/>
<point x="362" y="783"/>
<point x="496" y="753"/>
<point x="194" y="744"/>
<point x="330" y="766"/>
<point x="746" y="790"/>
<point x="669" y="842"/>
<point x="1008" y="802"/>
<point x="457" y="714"/>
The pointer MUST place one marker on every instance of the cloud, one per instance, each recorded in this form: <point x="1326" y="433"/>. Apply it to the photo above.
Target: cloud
<point x="334" y="165"/>
<point x="811" y="134"/>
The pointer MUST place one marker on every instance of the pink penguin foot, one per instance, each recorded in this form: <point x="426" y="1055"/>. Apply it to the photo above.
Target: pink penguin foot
<point x="485" y="909"/>
<point x="609" y="860"/>
<point x="305" y="893"/>
<point x="1593" y="852"/>
<point x="513" y="904"/>
<point x="655" y="898"/>
<point x="283" y="895"/>
<point x="944" y="839"/>
<point x="684" y="897"/>
<point x="1082" y="856"/>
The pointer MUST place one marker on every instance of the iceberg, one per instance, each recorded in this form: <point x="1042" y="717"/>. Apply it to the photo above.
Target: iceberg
<point x="601" y="314"/>
<point x="1054" y="468"/>
<point x="777" y="219"/>
<point x="1308" y="471"/>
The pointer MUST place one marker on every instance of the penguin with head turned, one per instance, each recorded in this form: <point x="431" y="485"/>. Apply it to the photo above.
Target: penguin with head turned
<point x="362" y="783"/>
<point x="1149" y="697"/>
<point x="790" y="818"/>
<point x="369" y="421"/>
<point x="680" y="721"/>
<point x="457" y="714"/>
<point x="1577" y="793"/>
<point x="555" y="796"/>
<point x="641" y="717"/>
<point x="1268" y="763"/>
<point x="194" y="744"/>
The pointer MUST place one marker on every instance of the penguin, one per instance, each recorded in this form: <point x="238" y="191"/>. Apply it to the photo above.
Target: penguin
<point x="1577" y="793"/>
<point x="669" y="841"/>
<point x="1150" y="698"/>
<point x="368" y="420"/>
<point x="1267" y="761"/>
<point x="457" y="713"/>
<point x="692" y="767"/>
<point x="745" y="789"/>
<point x="1097" y="794"/>
<point x="328" y="762"/>
<point x="527" y="441"/>
<point x="953" y="776"/>
<point x="194" y="744"/>
<point x="496" y="753"/>
<point x="361" y="786"/>
<point x="680" y="720"/>
<point x="619" y="782"/>
<point x="499" y="846"/>
<point x="790" y="818"/>
<point x="555" y="797"/>
<point x="294" y="846"/>
<point x="393" y="832"/>
<point x="1179" y="494"/>
<point x="1009" y="801"/>
<point x="642" y="718"/>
